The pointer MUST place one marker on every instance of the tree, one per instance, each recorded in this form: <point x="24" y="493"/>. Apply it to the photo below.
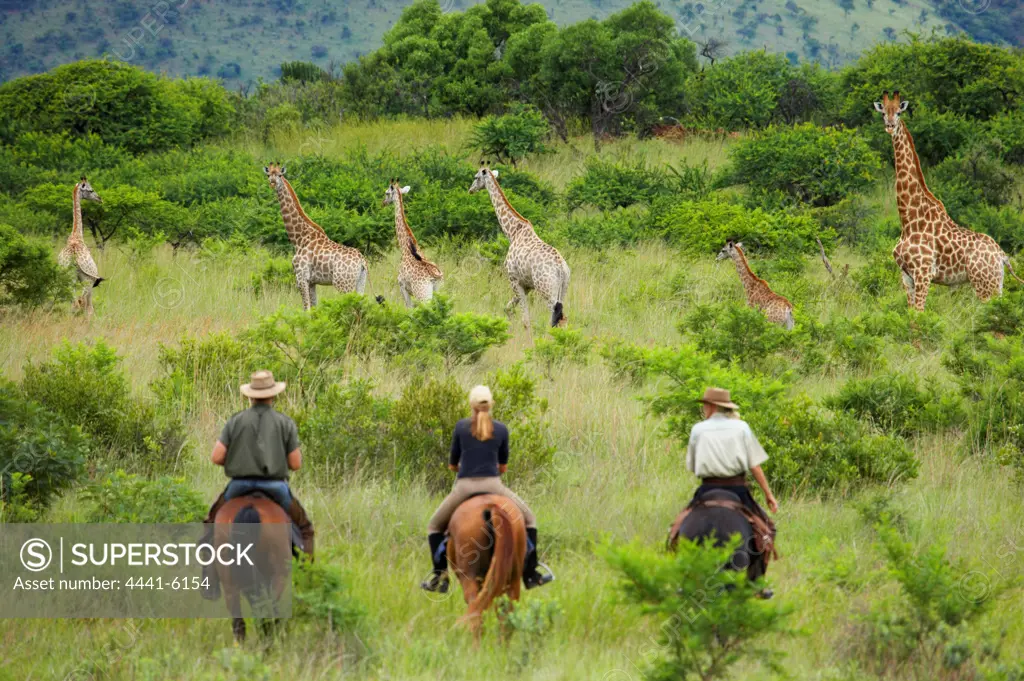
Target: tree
<point x="29" y="274"/>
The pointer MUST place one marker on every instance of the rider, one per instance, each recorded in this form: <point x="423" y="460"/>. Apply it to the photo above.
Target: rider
<point x="722" y="449"/>
<point x="479" y="455"/>
<point x="257" y="448"/>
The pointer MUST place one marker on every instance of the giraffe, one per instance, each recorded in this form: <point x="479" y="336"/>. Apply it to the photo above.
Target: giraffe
<point x="760" y="295"/>
<point x="418" y="278"/>
<point x="530" y="263"/>
<point x="317" y="260"/>
<point x="76" y="253"/>
<point x="933" y="249"/>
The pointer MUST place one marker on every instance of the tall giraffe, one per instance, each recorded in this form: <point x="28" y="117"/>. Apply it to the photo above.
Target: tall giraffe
<point x="530" y="263"/>
<point x="760" y="295"/>
<point x="76" y="252"/>
<point x="418" y="278"/>
<point x="933" y="249"/>
<point x="317" y="260"/>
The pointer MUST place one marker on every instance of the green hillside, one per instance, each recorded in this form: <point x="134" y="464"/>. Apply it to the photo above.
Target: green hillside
<point x="242" y="40"/>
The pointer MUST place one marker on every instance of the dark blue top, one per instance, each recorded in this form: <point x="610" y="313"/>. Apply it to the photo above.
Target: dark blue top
<point x="477" y="459"/>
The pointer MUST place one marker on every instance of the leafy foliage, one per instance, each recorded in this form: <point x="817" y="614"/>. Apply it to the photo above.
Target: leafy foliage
<point x="513" y="136"/>
<point x="29" y="275"/>
<point x="124" y="498"/>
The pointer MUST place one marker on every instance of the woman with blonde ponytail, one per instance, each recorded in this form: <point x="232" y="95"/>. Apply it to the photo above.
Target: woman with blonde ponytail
<point x="479" y="456"/>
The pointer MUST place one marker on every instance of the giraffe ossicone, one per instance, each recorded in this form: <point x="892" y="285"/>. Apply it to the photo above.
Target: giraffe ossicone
<point x="933" y="249"/>
<point x="531" y="264"/>
<point x="318" y="260"/>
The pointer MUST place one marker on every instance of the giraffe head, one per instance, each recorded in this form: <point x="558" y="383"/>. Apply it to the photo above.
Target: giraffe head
<point x="86" y="191"/>
<point x="275" y="175"/>
<point x="891" y="108"/>
<point x="729" y="250"/>
<point x="480" y="179"/>
<point x="393" y="190"/>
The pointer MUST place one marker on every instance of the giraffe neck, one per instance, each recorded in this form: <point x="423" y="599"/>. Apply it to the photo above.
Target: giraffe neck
<point x="76" y="221"/>
<point x="910" y="182"/>
<point x="402" y="231"/>
<point x="749" y="280"/>
<point x="512" y="223"/>
<point x="297" y="224"/>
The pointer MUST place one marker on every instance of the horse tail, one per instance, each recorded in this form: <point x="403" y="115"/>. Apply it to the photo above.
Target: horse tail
<point x="1009" y="266"/>
<point x="244" y="576"/>
<point x="503" y="562"/>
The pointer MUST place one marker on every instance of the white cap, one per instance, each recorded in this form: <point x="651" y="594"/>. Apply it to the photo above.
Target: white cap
<point x="481" y="394"/>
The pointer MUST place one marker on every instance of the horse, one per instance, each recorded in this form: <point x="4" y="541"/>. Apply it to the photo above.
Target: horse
<point x="271" y="557"/>
<point x="720" y="524"/>
<point x="486" y="548"/>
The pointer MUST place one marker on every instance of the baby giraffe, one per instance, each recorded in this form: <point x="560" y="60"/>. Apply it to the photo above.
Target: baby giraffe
<point x="76" y="253"/>
<point x="760" y="296"/>
<point x="418" y="278"/>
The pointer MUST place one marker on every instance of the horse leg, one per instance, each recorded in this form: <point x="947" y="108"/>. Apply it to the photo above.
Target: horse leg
<point x="470" y="590"/>
<point x="238" y="628"/>
<point x="233" y="599"/>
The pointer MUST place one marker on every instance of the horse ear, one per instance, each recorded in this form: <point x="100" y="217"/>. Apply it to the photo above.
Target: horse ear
<point x="405" y="189"/>
<point x="878" y="107"/>
<point x="904" y="105"/>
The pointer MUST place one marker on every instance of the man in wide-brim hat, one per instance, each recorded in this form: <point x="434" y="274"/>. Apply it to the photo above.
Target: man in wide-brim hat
<point x="722" y="449"/>
<point x="258" y="448"/>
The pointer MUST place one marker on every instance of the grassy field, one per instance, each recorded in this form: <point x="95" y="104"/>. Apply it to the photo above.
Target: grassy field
<point x="614" y="475"/>
<point x="244" y="40"/>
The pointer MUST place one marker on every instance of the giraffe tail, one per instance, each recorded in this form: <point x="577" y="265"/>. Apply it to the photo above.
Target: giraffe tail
<point x="557" y="314"/>
<point x="1009" y="266"/>
<point x="97" y="280"/>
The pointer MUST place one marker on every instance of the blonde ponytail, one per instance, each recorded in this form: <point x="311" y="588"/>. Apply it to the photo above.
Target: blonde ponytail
<point x="480" y="400"/>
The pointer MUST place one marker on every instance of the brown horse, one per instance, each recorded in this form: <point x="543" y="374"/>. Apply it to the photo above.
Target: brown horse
<point x="271" y="555"/>
<point x="486" y="548"/>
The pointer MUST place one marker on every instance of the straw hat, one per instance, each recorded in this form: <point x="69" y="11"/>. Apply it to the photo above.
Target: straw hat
<point x="262" y="385"/>
<point x="480" y="395"/>
<point x="718" y="397"/>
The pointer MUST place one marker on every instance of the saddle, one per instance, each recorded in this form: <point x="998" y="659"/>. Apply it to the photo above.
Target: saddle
<point x="296" y="536"/>
<point x="763" y="528"/>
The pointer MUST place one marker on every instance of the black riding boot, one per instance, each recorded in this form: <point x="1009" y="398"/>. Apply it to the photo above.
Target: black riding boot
<point x="531" y="577"/>
<point x="438" y="580"/>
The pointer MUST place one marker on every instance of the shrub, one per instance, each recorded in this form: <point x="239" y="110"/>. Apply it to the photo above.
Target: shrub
<point x="807" y="163"/>
<point x="516" y="404"/>
<point x="742" y="91"/>
<point x="349" y="432"/>
<point x="430" y="408"/>
<point x="1008" y="131"/>
<point x="970" y="178"/>
<point x="619" y="227"/>
<point x="29" y="274"/>
<point x="708" y="618"/>
<point x="627" y="362"/>
<point x="124" y="498"/>
<point x="703" y="227"/>
<point x="880" y="276"/>
<point x="277" y="273"/>
<point x="212" y="367"/>
<point x="322" y="598"/>
<point x="458" y="338"/>
<point x="895" y="403"/>
<point x="560" y="346"/>
<point x="607" y="185"/>
<point x="1005" y="224"/>
<point x="734" y="333"/>
<point x="40" y="456"/>
<point x="1003" y="314"/>
<point x="84" y="386"/>
<point x="513" y="136"/>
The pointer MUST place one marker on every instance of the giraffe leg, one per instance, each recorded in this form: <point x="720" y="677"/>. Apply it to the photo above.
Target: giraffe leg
<point x="405" y="295"/>
<point x="987" y="287"/>
<point x="312" y="295"/>
<point x="908" y="286"/>
<point x="304" y="292"/>
<point x="519" y="298"/>
<point x="921" y="284"/>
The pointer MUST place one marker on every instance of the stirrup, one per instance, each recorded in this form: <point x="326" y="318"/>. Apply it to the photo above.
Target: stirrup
<point x="437" y="582"/>
<point x="541" y="578"/>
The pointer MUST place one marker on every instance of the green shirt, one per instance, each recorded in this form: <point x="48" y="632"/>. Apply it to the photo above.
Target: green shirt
<point x="259" y="441"/>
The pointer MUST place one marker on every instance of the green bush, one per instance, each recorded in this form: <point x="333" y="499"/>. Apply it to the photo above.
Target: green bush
<point x="879" y="276"/>
<point x="322" y="598"/>
<point x="429" y="408"/>
<point x="707" y="618"/>
<point x="517" y="405"/>
<point x="895" y="403"/>
<point x="1008" y="131"/>
<point x="619" y="227"/>
<point x="29" y="274"/>
<point x="41" y="453"/>
<point x="703" y="227"/>
<point x="124" y="498"/>
<point x="606" y="185"/>
<point x="735" y="333"/>
<point x="970" y="178"/>
<point x="806" y="163"/>
<point x="511" y="137"/>
<point x="276" y="274"/>
<point x="349" y="433"/>
<point x="85" y="386"/>
<point x="740" y="92"/>
<point x="1003" y="314"/>
<point x="560" y="346"/>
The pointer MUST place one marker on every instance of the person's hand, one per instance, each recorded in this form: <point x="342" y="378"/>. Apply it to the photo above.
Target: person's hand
<point x="772" y="504"/>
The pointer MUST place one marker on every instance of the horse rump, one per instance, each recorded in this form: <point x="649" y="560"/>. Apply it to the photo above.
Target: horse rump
<point x="504" y="568"/>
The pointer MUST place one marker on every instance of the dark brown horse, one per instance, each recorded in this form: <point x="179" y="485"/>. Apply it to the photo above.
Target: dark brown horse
<point x="267" y="579"/>
<point x="486" y="548"/>
<point x="717" y="524"/>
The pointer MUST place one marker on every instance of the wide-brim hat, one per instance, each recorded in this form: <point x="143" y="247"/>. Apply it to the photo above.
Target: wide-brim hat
<point x="262" y="385"/>
<point x="718" y="397"/>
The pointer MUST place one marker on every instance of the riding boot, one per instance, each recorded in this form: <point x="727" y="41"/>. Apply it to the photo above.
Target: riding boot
<point x="211" y="591"/>
<point x="438" y="580"/>
<point x="532" y="578"/>
<point x="305" y="527"/>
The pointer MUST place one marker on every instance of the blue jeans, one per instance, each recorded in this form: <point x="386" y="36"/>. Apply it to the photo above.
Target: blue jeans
<point x="275" y="489"/>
